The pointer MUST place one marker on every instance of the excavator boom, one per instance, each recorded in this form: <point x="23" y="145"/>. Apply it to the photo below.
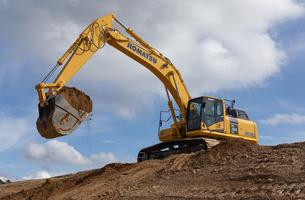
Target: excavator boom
<point x="57" y="117"/>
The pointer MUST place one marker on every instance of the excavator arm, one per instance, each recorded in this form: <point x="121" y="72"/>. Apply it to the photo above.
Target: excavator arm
<point x="58" y="117"/>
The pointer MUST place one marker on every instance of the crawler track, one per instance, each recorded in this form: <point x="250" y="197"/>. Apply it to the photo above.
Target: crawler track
<point x="165" y="149"/>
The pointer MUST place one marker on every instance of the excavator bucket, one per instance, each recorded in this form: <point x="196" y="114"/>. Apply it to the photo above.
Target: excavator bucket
<point x="63" y="113"/>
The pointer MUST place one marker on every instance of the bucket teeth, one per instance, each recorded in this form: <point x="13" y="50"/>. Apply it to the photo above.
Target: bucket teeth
<point x="63" y="113"/>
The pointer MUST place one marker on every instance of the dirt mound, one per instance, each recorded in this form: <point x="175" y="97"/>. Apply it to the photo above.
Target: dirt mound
<point x="76" y="98"/>
<point x="232" y="170"/>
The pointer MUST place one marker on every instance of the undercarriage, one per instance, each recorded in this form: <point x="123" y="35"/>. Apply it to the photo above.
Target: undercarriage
<point x="165" y="149"/>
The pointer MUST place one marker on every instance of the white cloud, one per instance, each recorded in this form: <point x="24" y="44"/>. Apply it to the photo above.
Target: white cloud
<point x="108" y="141"/>
<point x="2" y="178"/>
<point x="217" y="45"/>
<point x="56" y="152"/>
<point x="101" y="159"/>
<point x="292" y="119"/>
<point x="11" y="130"/>
<point x="38" y="175"/>
<point x="278" y="139"/>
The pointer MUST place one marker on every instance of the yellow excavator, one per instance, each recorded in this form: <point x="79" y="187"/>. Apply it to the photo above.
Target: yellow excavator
<point x="200" y="123"/>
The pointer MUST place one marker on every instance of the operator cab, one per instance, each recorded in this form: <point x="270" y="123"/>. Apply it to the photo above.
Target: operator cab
<point x="204" y="109"/>
<point x="204" y="112"/>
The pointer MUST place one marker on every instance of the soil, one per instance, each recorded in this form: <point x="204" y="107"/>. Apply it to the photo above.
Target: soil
<point x="77" y="98"/>
<point x="232" y="170"/>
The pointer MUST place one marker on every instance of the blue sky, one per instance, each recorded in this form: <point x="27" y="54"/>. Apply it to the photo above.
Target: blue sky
<point x="251" y="51"/>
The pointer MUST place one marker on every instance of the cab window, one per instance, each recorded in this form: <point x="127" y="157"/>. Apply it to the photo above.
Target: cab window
<point x="212" y="112"/>
<point x="195" y="108"/>
<point x="209" y="107"/>
<point x="193" y="117"/>
<point x="242" y="115"/>
<point x="219" y="110"/>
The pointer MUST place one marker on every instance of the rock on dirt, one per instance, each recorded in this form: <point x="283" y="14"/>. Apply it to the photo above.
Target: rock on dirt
<point x="232" y="170"/>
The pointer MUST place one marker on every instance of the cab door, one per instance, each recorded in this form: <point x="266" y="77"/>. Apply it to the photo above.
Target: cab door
<point x="213" y="114"/>
<point x="194" y="114"/>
